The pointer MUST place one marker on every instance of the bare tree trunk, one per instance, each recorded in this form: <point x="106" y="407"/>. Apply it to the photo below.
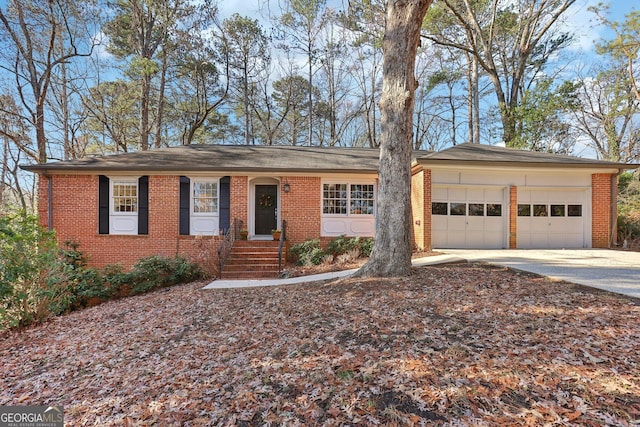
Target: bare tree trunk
<point x="391" y="255"/>
<point x="245" y="102"/>
<point x="473" y="99"/>
<point x="310" y="118"/>
<point x="3" y="172"/>
<point x="373" y="133"/>
<point x="161" y="99"/>
<point x="476" y="100"/>
<point x="470" y="103"/>
<point x="145" y="89"/>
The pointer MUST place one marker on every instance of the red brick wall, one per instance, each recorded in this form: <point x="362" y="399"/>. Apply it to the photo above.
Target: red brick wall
<point x="75" y="218"/>
<point x="601" y="198"/>
<point x="300" y="207"/>
<point x="513" y="217"/>
<point x="239" y="188"/>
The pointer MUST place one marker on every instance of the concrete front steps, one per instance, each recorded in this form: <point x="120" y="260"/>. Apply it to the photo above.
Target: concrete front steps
<point x="252" y="259"/>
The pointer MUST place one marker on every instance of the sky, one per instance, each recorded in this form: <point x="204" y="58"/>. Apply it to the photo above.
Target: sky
<point x="579" y="20"/>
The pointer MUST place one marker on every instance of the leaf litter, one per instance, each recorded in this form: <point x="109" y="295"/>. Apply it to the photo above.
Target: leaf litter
<point x="466" y="344"/>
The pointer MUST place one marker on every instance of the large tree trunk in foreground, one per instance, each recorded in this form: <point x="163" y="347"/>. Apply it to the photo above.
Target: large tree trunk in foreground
<point x="391" y="255"/>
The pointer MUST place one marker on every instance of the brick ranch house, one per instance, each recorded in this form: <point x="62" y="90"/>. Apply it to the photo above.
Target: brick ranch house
<point x="123" y="207"/>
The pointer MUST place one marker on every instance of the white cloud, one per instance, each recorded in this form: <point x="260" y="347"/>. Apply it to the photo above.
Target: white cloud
<point x="100" y="51"/>
<point x="587" y="28"/>
<point x="583" y="23"/>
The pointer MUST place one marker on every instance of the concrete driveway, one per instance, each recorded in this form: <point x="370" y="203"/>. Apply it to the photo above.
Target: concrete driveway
<point x="611" y="270"/>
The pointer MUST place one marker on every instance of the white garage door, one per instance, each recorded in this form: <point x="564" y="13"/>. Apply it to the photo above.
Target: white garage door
<point x="551" y="218"/>
<point x="468" y="217"/>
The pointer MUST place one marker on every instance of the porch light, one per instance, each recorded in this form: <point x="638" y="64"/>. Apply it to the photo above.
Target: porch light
<point x="287" y="187"/>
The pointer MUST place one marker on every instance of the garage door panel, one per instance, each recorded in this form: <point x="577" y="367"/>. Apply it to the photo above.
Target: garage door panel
<point x="494" y="224"/>
<point x="440" y="193"/>
<point x="457" y="195"/>
<point x="561" y="223"/>
<point x="475" y="223"/>
<point x="493" y="196"/>
<point x="469" y="226"/>
<point x="475" y="196"/>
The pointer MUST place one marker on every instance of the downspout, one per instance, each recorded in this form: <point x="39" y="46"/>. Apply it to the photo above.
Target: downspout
<point x="49" y="201"/>
<point x="614" y="209"/>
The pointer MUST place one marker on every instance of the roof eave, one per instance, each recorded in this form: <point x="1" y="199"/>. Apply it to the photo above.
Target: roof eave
<point x="46" y="170"/>
<point x="540" y="165"/>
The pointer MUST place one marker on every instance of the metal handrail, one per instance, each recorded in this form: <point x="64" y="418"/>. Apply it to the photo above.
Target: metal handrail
<point x="225" y="245"/>
<point x="283" y="237"/>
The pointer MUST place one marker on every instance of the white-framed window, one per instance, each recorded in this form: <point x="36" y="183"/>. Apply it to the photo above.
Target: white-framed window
<point x="124" y="196"/>
<point x="344" y="198"/>
<point x="123" y="205"/>
<point x="361" y="199"/>
<point x="204" y="197"/>
<point x="204" y="206"/>
<point x="334" y="199"/>
<point x="348" y="208"/>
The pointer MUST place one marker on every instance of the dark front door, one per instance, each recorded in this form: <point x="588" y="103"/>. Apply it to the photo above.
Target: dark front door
<point x="266" y="205"/>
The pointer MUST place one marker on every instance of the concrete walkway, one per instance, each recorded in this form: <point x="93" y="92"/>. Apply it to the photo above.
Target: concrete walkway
<point x="611" y="270"/>
<point x="229" y="284"/>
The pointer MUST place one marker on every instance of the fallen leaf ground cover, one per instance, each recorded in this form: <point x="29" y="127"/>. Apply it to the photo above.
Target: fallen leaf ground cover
<point x="465" y="344"/>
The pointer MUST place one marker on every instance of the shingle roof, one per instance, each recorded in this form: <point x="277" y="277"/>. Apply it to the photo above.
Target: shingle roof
<point x="478" y="154"/>
<point x="227" y="158"/>
<point x="261" y="158"/>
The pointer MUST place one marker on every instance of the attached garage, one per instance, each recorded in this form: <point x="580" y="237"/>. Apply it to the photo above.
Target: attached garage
<point x="492" y="197"/>
<point x="469" y="217"/>
<point x="553" y="218"/>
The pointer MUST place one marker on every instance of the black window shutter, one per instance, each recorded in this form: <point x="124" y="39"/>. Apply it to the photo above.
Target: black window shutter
<point x="225" y="203"/>
<point x="103" y="205"/>
<point x="143" y="205"/>
<point x="185" y="190"/>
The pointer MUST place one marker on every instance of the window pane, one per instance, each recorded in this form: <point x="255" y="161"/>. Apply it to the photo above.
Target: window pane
<point x="125" y="197"/>
<point x="334" y="199"/>
<point x="438" y="208"/>
<point x="476" y="209"/>
<point x="494" y="209"/>
<point x="458" y="209"/>
<point x="205" y="197"/>
<point x="361" y="199"/>
<point x="540" y="210"/>
<point x="524" y="210"/>
<point x="574" y="210"/>
<point x="557" y="210"/>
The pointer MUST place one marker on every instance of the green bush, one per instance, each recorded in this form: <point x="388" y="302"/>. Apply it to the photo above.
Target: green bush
<point x="629" y="209"/>
<point x="37" y="279"/>
<point x="366" y="246"/>
<point x="155" y="272"/>
<point x="59" y="294"/>
<point x="343" y="244"/>
<point x="308" y="252"/>
<point x="115" y="279"/>
<point x="628" y="226"/>
<point x="28" y="256"/>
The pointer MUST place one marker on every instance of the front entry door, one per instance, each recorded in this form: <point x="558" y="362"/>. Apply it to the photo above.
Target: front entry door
<point x="266" y="209"/>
